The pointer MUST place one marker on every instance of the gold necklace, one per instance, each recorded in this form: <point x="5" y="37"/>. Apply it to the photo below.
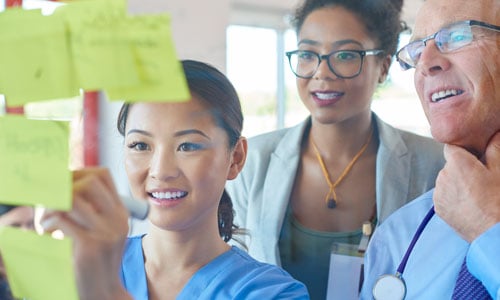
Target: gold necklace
<point x="331" y="202"/>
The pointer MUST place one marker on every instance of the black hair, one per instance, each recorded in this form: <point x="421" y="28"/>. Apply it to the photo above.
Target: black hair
<point x="381" y="18"/>
<point x="214" y="89"/>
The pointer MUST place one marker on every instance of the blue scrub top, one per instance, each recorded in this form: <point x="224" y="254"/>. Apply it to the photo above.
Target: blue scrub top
<point x="231" y="275"/>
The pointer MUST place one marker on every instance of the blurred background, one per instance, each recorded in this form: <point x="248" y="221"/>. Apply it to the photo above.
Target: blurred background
<point x="246" y="39"/>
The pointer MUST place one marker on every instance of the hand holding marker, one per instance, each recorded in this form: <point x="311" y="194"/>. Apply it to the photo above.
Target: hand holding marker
<point x="136" y="208"/>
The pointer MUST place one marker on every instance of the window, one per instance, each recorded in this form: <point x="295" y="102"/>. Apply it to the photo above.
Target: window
<point x="397" y="102"/>
<point x="266" y="87"/>
<point x="251" y="66"/>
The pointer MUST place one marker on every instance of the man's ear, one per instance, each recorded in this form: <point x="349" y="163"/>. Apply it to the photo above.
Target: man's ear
<point x="238" y="157"/>
<point x="386" y="64"/>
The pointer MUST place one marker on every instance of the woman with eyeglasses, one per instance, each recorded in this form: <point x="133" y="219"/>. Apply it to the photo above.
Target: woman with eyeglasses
<point x="315" y="184"/>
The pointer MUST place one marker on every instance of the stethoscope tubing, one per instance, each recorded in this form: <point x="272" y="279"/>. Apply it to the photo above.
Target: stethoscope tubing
<point x="419" y="231"/>
<point x="390" y="286"/>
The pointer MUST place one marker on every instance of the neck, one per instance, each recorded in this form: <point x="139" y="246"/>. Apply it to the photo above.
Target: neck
<point x="168" y="250"/>
<point x="341" y="139"/>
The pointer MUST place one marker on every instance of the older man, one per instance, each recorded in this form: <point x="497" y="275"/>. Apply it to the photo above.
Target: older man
<point x="416" y="254"/>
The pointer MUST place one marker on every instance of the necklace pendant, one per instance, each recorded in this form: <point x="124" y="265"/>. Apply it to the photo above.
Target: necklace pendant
<point x="331" y="203"/>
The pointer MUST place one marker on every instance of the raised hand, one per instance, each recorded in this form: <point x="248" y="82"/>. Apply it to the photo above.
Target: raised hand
<point x="467" y="194"/>
<point x="98" y="225"/>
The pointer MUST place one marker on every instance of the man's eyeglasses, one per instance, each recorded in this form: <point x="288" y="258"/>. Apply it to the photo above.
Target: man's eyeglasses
<point x="343" y="63"/>
<point x="447" y="39"/>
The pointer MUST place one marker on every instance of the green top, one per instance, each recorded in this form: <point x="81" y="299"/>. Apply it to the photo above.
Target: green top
<point x="305" y="253"/>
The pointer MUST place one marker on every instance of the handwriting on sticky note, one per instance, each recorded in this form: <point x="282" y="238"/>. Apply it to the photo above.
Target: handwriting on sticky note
<point x="93" y="45"/>
<point x="34" y="156"/>
<point x="161" y="74"/>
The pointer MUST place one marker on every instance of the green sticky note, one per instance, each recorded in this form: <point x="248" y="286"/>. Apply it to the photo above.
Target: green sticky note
<point x="34" y="159"/>
<point x="34" y="57"/>
<point x="38" y="266"/>
<point x="161" y="75"/>
<point x="101" y="55"/>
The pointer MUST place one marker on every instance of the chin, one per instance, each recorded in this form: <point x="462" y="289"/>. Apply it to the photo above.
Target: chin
<point x="447" y="136"/>
<point x="475" y="146"/>
<point x="443" y="135"/>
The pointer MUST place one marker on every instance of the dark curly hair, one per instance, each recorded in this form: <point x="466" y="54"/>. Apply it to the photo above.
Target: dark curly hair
<point x="212" y="87"/>
<point x="381" y="18"/>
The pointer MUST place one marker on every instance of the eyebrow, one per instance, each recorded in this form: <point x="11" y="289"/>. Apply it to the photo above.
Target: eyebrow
<point x="335" y="44"/>
<point x="414" y="38"/>
<point x="143" y="132"/>
<point x="177" y="134"/>
<point x="190" y="131"/>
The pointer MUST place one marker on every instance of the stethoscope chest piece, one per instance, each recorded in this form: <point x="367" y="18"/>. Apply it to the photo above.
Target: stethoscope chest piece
<point x="393" y="287"/>
<point x="389" y="287"/>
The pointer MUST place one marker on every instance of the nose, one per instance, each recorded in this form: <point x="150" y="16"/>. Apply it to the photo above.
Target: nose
<point x="323" y="71"/>
<point x="431" y="60"/>
<point x="163" y="166"/>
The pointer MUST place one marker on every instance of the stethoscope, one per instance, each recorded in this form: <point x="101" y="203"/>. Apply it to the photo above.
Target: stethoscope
<point x="393" y="287"/>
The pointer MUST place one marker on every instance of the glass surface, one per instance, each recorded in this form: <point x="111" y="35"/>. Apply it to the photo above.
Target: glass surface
<point x="252" y="68"/>
<point x="447" y="39"/>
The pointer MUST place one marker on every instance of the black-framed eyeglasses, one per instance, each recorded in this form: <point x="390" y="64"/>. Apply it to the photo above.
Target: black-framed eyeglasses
<point x="343" y="63"/>
<point x="452" y="37"/>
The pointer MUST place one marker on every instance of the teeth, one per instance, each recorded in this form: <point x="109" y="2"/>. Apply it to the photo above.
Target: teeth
<point x="444" y="94"/>
<point x="327" y="96"/>
<point x="168" y="195"/>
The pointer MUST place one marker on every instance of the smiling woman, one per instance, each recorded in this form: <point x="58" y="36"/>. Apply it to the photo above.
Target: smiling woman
<point x="320" y="180"/>
<point x="270" y="100"/>
<point x="178" y="157"/>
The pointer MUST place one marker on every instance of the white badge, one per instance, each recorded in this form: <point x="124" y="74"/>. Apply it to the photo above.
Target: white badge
<point x="389" y="287"/>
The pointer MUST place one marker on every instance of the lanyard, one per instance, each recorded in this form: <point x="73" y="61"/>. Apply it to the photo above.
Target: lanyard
<point x="393" y="286"/>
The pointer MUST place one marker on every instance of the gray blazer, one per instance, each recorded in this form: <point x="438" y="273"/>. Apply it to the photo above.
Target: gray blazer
<point x="406" y="166"/>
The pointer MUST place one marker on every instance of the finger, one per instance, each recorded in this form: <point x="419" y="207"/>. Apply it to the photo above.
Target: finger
<point x="451" y="151"/>
<point x="47" y="214"/>
<point x="64" y="223"/>
<point x="441" y="183"/>
<point x="98" y="176"/>
<point x="95" y="191"/>
<point x="80" y="215"/>
<point x="492" y="153"/>
<point x="84" y="213"/>
<point x="460" y="160"/>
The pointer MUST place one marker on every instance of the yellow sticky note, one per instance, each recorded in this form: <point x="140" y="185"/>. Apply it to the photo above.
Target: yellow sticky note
<point x="34" y="158"/>
<point x="38" y="266"/>
<point x="98" y="43"/>
<point x="34" y="58"/>
<point x="161" y="75"/>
